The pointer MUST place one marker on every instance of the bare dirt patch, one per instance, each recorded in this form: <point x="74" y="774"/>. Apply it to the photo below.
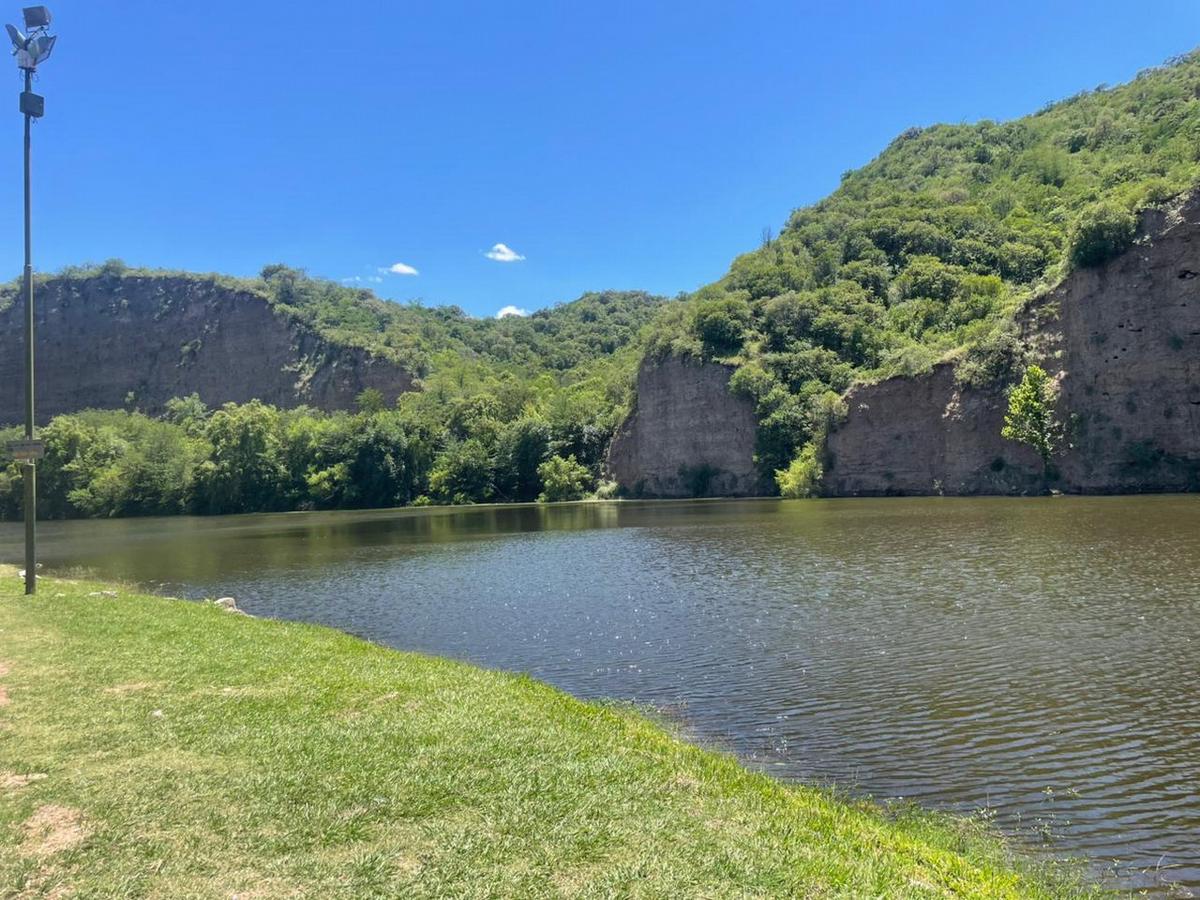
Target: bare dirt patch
<point x="4" y="698"/>
<point x="11" y="781"/>
<point x="52" y="829"/>
<point x="4" y="668"/>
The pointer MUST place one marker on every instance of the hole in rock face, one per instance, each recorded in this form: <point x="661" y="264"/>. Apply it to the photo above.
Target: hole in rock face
<point x="1186" y="274"/>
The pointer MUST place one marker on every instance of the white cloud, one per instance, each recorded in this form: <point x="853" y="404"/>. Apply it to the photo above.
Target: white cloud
<point x="503" y="253"/>
<point x="353" y="279"/>
<point x="511" y="310"/>
<point x="375" y="279"/>
<point x="400" y="269"/>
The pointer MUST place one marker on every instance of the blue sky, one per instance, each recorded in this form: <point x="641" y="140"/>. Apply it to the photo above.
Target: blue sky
<point x="612" y="145"/>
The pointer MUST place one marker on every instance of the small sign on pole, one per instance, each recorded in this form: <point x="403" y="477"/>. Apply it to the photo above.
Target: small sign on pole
<point x="26" y="450"/>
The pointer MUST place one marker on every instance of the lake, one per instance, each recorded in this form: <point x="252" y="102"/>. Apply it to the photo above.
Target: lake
<point x="1033" y="658"/>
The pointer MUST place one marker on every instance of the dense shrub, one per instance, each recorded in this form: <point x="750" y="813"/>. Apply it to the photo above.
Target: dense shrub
<point x="802" y="478"/>
<point x="563" y="479"/>
<point x="1100" y="233"/>
<point x="721" y="325"/>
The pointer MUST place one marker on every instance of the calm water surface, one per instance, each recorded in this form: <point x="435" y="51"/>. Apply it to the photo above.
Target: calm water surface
<point x="1033" y="658"/>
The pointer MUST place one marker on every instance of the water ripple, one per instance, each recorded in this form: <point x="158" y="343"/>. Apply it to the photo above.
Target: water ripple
<point x="1034" y="658"/>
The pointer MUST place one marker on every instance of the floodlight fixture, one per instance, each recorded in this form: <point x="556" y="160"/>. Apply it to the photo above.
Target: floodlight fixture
<point x="36" y="17"/>
<point x="36" y="51"/>
<point x="35" y="48"/>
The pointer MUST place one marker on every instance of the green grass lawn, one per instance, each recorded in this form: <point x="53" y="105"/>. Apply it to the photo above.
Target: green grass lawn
<point x="151" y="747"/>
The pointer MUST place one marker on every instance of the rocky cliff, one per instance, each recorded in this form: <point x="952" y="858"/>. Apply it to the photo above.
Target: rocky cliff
<point x="687" y="435"/>
<point x="137" y="341"/>
<point x="1123" y="343"/>
<point x="926" y="435"/>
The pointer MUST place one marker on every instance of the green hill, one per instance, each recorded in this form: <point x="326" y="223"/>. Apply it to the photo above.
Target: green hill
<point x="483" y="404"/>
<point x="928" y="251"/>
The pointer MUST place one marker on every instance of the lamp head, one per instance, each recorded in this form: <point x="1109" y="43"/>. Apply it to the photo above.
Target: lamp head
<point x="36" y="17"/>
<point x="35" y="47"/>
<point x="37" y="51"/>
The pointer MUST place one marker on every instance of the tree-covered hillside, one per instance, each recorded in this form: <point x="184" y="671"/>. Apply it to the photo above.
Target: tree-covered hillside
<point x="508" y="410"/>
<point x="557" y="339"/>
<point x="924" y="254"/>
<point x="927" y="252"/>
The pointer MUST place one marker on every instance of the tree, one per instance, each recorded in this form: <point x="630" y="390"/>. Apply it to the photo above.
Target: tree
<point x="462" y="473"/>
<point x="361" y="461"/>
<point x="721" y="325"/>
<point x="370" y="401"/>
<point x="803" y="477"/>
<point x="563" y="478"/>
<point x="152" y="475"/>
<point x="1030" y="416"/>
<point x="523" y="447"/>
<point x="189" y="413"/>
<point x="76" y="452"/>
<point x="246" y="471"/>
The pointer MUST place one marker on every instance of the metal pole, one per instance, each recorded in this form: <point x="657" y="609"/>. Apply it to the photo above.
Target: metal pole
<point x="30" y="466"/>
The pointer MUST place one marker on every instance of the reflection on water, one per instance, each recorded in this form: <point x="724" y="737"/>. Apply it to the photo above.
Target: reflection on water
<point x="1033" y="657"/>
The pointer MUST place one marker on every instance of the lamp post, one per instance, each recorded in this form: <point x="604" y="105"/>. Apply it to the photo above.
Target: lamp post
<point x="30" y="50"/>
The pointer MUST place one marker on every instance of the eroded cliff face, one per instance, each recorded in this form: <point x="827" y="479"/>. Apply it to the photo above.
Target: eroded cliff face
<point x="112" y="342"/>
<point x="687" y="435"/>
<point x="1123" y="342"/>
<point x="926" y="435"/>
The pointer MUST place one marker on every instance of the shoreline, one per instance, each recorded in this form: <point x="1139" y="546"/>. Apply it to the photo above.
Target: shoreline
<point x="259" y="744"/>
<point x="629" y="502"/>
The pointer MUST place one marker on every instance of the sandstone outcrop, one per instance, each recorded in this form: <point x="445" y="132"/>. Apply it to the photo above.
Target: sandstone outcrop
<point x="1123" y="342"/>
<point x="687" y="435"/>
<point x="135" y="341"/>
<point x="926" y="435"/>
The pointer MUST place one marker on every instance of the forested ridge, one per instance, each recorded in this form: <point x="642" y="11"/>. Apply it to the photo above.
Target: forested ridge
<point x="515" y="409"/>
<point x="925" y="254"/>
<point x="929" y="251"/>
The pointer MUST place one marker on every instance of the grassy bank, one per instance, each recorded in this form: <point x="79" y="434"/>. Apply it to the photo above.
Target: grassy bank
<point x="164" y="748"/>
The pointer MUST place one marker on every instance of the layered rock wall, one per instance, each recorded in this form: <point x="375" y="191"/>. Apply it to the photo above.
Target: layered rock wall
<point x="687" y="435"/>
<point x="137" y="341"/>
<point x="926" y="435"/>
<point x="1122" y="341"/>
